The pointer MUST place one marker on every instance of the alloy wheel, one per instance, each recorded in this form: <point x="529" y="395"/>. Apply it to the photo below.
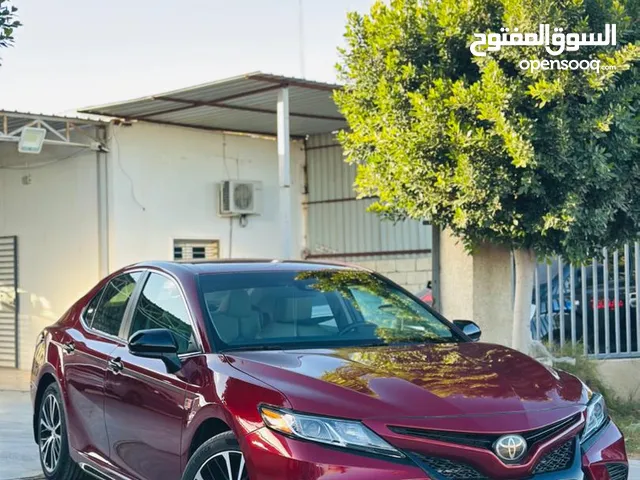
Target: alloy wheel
<point x="50" y="433"/>
<point x="228" y="465"/>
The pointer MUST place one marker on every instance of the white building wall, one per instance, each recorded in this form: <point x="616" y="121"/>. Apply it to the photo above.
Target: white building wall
<point x="55" y="220"/>
<point x="163" y="186"/>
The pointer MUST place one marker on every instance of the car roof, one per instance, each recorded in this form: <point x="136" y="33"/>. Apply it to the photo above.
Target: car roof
<point x="244" y="265"/>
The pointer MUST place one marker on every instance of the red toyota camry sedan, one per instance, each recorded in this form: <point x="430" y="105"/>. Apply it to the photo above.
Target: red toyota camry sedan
<point x="276" y="370"/>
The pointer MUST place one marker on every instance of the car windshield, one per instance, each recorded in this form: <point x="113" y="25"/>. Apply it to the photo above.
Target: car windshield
<point x="315" y="308"/>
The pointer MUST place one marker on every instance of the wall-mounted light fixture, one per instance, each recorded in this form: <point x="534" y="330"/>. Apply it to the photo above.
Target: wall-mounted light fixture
<point x="31" y="140"/>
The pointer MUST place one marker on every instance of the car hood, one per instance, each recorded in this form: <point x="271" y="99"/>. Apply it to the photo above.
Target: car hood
<point x="427" y="380"/>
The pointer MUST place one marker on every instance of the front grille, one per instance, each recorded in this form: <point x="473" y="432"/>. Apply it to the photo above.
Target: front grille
<point x="486" y="441"/>
<point x="556" y="460"/>
<point x="617" y="471"/>
<point x="450" y="469"/>
<point x="544" y="433"/>
<point x="468" y="439"/>
<point x="560" y="458"/>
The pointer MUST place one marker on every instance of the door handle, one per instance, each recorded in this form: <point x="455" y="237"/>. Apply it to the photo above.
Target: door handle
<point x="69" y="347"/>
<point x="115" y="365"/>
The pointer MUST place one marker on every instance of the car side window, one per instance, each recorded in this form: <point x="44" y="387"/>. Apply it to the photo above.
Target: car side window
<point x="108" y="316"/>
<point x="92" y="306"/>
<point x="161" y="305"/>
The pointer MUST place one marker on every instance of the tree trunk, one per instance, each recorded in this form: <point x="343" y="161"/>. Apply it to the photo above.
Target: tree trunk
<point x="525" y="261"/>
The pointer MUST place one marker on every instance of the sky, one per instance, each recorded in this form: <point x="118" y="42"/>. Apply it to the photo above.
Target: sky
<point x="77" y="53"/>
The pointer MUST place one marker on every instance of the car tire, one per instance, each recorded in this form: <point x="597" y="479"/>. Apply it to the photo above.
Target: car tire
<point x="53" y="441"/>
<point x="215" y="458"/>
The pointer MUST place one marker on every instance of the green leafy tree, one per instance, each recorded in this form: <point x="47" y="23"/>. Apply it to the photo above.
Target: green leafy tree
<point x="8" y="23"/>
<point x="542" y="161"/>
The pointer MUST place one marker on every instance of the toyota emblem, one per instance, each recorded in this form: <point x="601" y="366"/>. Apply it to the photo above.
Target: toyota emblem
<point x="510" y="448"/>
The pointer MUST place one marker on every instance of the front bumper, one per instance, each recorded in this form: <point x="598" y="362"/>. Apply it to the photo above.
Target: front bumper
<point x="603" y="452"/>
<point x="271" y="456"/>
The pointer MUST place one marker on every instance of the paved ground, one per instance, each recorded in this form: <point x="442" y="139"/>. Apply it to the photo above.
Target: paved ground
<point x="18" y="452"/>
<point x="14" y="380"/>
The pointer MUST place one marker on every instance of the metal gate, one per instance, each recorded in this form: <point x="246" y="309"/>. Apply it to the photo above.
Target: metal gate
<point x="9" y="305"/>
<point x="595" y="306"/>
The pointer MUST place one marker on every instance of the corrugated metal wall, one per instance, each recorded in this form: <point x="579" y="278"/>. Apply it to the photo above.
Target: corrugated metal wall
<point x="339" y="225"/>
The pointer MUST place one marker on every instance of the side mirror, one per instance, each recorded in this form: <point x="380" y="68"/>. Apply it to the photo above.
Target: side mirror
<point x="469" y="328"/>
<point x="157" y="343"/>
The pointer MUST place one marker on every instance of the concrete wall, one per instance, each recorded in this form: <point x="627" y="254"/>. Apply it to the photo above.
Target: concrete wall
<point x="163" y="186"/>
<point x="55" y="220"/>
<point x="477" y="287"/>
<point x="411" y="273"/>
<point x="456" y="280"/>
<point x="622" y="376"/>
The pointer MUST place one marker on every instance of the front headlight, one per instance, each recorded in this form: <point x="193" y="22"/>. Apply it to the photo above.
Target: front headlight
<point x="331" y="431"/>
<point x="596" y="415"/>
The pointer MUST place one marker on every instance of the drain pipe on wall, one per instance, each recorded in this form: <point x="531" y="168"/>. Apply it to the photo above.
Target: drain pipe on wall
<point x="304" y="247"/>
<point x="284" y="170"/>
<point x="102" y="170"/>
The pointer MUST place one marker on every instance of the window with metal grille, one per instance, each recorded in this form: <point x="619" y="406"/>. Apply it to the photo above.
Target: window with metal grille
<point x="187" y="250"/>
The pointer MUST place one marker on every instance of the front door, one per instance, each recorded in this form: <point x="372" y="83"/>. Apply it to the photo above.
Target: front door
<point x="144" y="405"/>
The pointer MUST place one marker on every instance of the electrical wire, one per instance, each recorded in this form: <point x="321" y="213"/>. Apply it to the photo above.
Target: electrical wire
<point x="224" y="161"/>
<point x="119" y="161"/>
<point x="224" y="155"/>
<point x="42" y="164"/>
<point x="301" y="35"/>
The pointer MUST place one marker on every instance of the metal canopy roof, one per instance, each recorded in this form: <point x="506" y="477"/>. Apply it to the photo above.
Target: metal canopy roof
<point x="244" y="104"/>
<point x="63" y="130"/>
<point x="12" y="120"/>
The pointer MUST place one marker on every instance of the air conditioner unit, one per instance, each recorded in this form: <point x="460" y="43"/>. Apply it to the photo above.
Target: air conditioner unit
<point x="239" y="197"/>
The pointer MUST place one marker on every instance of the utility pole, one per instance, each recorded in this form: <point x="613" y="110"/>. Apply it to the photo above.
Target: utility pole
<point x="301" y="36"/>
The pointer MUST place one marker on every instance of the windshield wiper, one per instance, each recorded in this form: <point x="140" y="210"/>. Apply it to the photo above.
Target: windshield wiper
<point x="253" y="348"/>
<point x="370" y="344"/>
<point x="419" y="341"/>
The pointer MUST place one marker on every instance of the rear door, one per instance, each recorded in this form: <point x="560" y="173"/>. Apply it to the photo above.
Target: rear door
<point x="87" y="351"/>
<point x="145" y="405"/>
